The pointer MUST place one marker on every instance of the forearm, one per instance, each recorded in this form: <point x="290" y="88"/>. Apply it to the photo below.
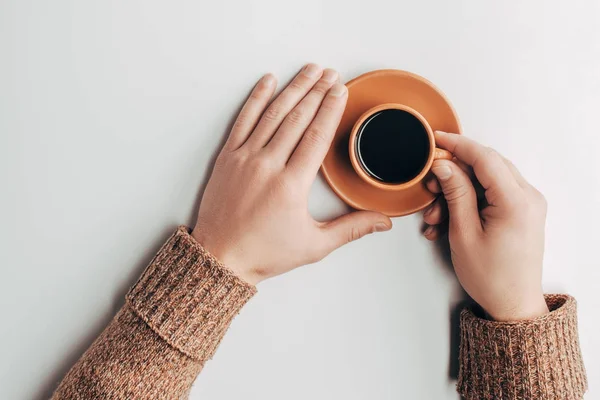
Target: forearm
<point x="129" y="360"/>
<point x="534" y="359"/>
<point x="173" y="320"/>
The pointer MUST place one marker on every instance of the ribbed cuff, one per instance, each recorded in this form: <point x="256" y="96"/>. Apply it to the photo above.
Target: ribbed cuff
<point x="535" y="359"/>
<point x="188" y="297"/>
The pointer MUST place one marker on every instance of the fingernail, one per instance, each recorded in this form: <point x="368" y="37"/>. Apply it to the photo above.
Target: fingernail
<point x="312" y="71"/>
<point x="429" y="230"/>
<point x="329" y="76"/>
<point x="382" y="227"/>
<point x="268" y="79"/>
<point x="428" y="211"/>
<point x="338" y="90"/>
<point x="441" y="132"/>
<point x="443" y="172"/>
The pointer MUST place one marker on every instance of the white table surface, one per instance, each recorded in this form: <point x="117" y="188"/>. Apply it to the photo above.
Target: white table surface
<point x="110" y="114"/>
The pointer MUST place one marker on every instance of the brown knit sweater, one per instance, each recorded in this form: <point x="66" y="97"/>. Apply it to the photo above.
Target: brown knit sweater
<point x="178" y="311"/>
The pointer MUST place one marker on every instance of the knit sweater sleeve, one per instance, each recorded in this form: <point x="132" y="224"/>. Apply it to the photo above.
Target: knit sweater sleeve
<point x="535" y="359"/>
<point x="176" y="314"/>
<point x="172" y="322"/>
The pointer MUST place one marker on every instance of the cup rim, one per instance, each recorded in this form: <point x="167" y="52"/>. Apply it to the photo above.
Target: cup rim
<point x="356" y="164"/>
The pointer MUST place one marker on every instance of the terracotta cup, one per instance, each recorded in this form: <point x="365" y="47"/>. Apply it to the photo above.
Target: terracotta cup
<point x="434" y="152"/>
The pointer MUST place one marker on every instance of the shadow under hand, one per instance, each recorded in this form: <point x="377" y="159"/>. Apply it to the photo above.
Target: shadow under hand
<point x="211" y="163"/>
<point x="50" y="384"/>
<point x="57" y="373"/>
<point x="459" y="301"/>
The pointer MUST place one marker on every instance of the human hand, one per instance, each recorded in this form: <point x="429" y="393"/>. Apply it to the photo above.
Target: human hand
<point x="497" y="248"/>
<point x="254" y="213"/>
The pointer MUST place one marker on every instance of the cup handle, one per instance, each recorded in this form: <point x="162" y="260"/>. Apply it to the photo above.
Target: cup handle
<point x="441" y="154"/>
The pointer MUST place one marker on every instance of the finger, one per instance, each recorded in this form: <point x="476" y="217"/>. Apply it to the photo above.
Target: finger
<point x="295" y="123"/>
<point x="434" y="232"/>
<point x="353" y="226"/>
<point x="459" y="194"/>
<point x="436" y="213"/>
<point x="283" y="104"/>
<point x="313" y="146"/>
<point x="251" y="112"/>
<point x="501" y="187"/>
<point x="515" y="172"/>
<point x="465" y="167"/>
<point x="479" y="190"/>
<point x="433" y="185"/>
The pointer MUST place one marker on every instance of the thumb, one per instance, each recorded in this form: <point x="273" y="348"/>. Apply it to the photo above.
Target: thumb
<point x="459" y="193"/>
<point x="353" y="226"/>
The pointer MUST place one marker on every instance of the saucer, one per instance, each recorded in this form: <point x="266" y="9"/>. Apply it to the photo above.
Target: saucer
<point x="364" y="93"/>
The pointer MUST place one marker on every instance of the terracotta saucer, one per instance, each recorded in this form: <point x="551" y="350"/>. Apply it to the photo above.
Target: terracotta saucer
<point x="364" y="93"/>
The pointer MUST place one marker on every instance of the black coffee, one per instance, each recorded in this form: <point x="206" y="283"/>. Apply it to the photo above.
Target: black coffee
<point x="392" y="146"/>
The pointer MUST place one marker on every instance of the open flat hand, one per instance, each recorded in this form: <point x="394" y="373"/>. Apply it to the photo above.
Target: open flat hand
<point x="254" y="213"/>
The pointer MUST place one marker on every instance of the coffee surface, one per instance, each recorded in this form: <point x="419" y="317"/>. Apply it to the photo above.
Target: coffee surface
<point x="392" y="146"/>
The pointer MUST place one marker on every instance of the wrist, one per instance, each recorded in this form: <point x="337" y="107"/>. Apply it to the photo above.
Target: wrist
<point x="530" y="308"/>
<point x="224" y="253"/>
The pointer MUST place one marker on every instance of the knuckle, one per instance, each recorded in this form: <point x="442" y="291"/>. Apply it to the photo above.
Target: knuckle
<point x="259" y="93"/>
<point x="238" y="157"/>
<point x="263" y="164"/>
<point x="490" y="152"/>
<point x="486" y="156"/>
<point x="222" y="159"/>
<point x="329" y="105"/>
<point x="454" y="193"/>
<point x="296" y="116"/>
<point x="540" y="203"/>
<point x="316" y="136"/>
<point x="320" y="89"/>
<point x="298" y="84"/>
<point x="354" y="234"/>
<point x="272" y="114"/>
<point x="541" y="199"/>
<point x="241" y="121"/>
<point x="287" y="186"/>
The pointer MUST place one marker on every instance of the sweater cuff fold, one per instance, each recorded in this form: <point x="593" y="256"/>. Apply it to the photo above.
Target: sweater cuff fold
<point x="534" y="359"/>
<point x="188" y="297"/>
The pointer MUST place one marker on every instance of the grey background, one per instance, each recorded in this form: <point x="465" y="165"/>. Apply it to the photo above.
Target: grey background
<point x="111" y="113"/>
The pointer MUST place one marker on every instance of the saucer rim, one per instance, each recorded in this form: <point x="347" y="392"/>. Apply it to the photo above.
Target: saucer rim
<point x="397" y="72"/>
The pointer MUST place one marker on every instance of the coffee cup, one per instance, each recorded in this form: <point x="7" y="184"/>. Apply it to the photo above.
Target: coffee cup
<point x="392" y="147"/>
